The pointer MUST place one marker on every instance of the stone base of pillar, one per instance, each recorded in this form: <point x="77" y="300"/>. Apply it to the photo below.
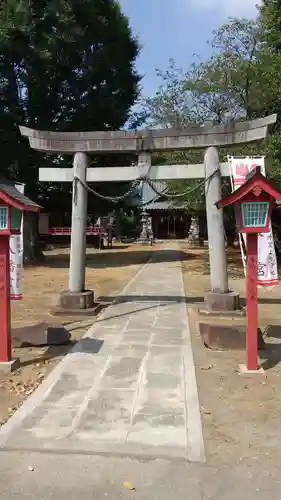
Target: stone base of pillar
<point x="79" y="300"/>
<point x="76" y="304"/>
<point x="226" y="337"/>
<point x="216" y="303"/>
<point x="222" y="322"/>
<point x="9" y="366"/>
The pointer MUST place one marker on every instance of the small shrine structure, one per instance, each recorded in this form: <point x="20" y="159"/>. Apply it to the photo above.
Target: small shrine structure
<point x="253" y="203"/>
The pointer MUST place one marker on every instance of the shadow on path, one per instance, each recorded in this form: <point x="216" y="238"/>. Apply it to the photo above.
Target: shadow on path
<point x="153" y="301"/>
<point x="118" y="259"/>
<point x="120" y="299"/>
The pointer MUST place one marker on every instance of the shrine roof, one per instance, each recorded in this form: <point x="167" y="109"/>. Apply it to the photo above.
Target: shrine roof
<point x="255" y="180"/>
<point x="151" y="200"/>
<point x="11" y="195"/>
<point x="163" y="205"/>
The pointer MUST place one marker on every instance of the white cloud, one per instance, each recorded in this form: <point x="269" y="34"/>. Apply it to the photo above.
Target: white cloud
<point x="233" y="8"/>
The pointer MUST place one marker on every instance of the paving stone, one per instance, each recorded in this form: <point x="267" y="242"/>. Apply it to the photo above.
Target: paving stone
<point x="166" y="360"/>
<point x="129" y="350"/>
<point x="136" y="337"/>
<point x="107" y="417"/>
<point x="145" y="323"/>
<point x="164" y="436"/>
<point x="169" y="323"/>
<point x="161" y="381"/>
<point x="167" y="338"/>
<point x="123" y="372"/>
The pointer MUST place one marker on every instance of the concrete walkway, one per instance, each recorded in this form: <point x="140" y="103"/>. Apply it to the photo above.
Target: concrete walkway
<point x="128" y="387"/>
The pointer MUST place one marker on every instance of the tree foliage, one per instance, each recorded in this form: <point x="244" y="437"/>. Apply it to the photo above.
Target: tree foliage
<point x="228" y="85"/>
<point x="171" y="105"/>
<point x="270" y="15"/>
<point x="65" y="65"/>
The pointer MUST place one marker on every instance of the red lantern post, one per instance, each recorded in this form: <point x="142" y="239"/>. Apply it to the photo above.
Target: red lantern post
<point x="253" y="203"/>
<point x="5" y="340"/>
<point x="12" y="204"/>
<point x="252" y="302"/>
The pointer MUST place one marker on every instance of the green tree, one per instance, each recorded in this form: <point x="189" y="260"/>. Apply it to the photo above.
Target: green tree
<point x="270" y="13"/>
<point x="271" y="19"/>
<point x="60" y="70"/>
<point x="65" y="65"/>
<point x="230" y="85"/>
<point x="227" y="86"/>
<point x="171" y="104"/>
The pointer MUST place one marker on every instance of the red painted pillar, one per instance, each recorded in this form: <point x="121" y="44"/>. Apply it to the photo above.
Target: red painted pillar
<point x="5" y="313"/>
<point x="252" y="302"/>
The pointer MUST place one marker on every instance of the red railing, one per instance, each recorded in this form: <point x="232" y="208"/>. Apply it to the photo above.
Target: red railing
<point x="59" y="231"/>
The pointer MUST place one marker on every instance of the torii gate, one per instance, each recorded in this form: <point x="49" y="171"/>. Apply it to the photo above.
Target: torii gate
<point x="143" y="143"/>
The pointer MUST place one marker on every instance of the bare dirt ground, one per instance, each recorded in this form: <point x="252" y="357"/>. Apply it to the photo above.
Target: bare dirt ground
<point x="240" y="413"/>
<point x="108" y="271"/>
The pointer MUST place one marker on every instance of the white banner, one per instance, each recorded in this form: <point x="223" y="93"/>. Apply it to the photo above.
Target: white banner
<point x="15" y="267"/>
<point x="16" y="259"/>
<point x="267" y="263"/>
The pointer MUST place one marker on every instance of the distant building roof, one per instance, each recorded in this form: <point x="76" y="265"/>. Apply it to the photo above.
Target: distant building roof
<point x="147" y="197"/>
<point x="163" y="205"/>
<point x="148" y="194"/>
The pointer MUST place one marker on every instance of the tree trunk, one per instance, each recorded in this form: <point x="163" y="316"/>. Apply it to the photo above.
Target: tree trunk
<point x="32" y="253"/>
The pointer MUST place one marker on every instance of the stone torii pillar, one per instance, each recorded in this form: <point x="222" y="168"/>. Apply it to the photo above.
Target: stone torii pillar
<point x="218" y="268"/>
<point x="145" y="142"/>
<point x="77" y="297"/>
<point x="78" y="223"/>
<point x="219" y="298"/>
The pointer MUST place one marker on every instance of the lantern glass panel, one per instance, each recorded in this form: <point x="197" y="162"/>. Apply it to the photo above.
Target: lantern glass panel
<point x="4" y="218"/>
<point x="254" y="214"/>
<point x="16" y="218"/>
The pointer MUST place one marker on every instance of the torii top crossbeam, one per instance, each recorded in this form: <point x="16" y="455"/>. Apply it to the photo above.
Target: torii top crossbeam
<point x="149" y="140"/>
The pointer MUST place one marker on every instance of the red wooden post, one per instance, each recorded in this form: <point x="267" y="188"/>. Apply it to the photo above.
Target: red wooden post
<point x="252" y="302"/>
<point x="5" y="313"/>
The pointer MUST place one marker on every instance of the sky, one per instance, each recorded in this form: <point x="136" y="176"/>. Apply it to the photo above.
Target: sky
<point x="177" y="29"/>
